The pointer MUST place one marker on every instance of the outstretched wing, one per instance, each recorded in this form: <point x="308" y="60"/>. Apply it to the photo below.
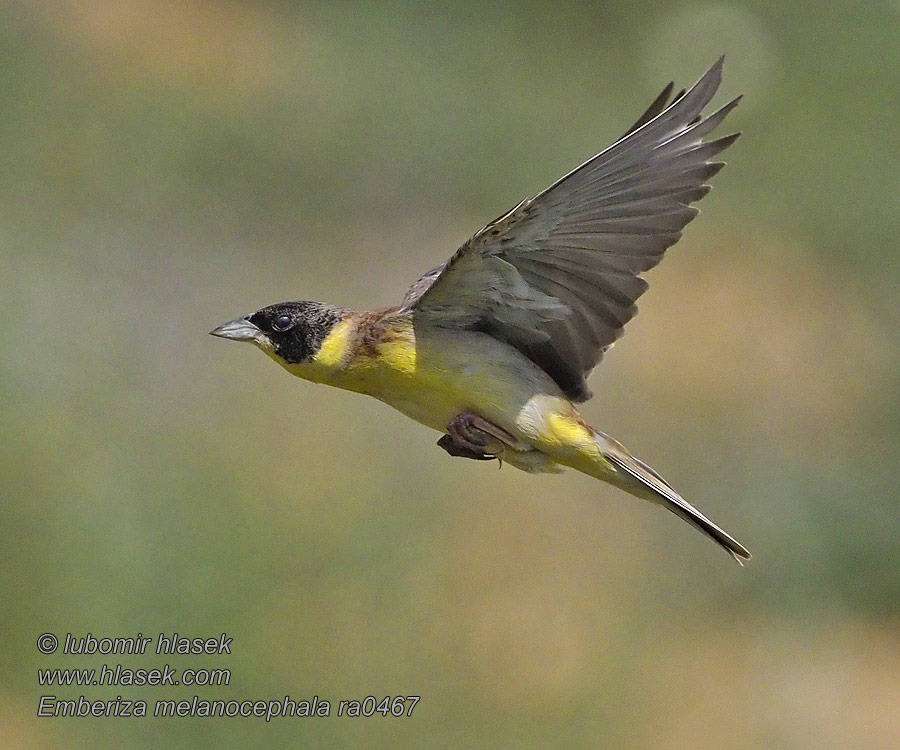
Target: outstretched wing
<point x="558" y="275"/>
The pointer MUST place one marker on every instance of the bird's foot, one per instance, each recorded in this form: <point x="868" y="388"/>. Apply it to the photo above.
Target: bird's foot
<point x="446" y="442"/>
<point x="471" y="436"/>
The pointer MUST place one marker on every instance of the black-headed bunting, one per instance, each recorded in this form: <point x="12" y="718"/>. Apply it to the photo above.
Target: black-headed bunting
<point x="493" y="347"/>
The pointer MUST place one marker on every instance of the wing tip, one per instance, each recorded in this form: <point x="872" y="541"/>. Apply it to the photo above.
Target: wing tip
<point x="707" y="85"/>
<point x="725" y="141"/>
<point x="687" y="105"/>
<point x="722" y="111"/>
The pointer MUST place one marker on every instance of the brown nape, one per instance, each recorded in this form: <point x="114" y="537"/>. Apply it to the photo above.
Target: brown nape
<point x="371" y="330"/>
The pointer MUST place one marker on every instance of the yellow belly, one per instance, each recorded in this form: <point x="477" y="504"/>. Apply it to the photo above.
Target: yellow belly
<point x="433" y="376"/>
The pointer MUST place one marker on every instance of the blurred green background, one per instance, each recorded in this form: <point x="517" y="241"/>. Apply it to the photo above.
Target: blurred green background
<point x="167" y="166"/>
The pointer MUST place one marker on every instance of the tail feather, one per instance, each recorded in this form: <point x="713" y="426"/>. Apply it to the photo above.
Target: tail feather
<point x="656" y="488"/>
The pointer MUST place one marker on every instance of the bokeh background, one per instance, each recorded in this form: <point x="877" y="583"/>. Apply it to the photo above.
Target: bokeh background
<point x="170" y="165"/>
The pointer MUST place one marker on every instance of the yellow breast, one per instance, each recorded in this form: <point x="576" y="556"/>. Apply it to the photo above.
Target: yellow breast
<point x="414" y="372"/>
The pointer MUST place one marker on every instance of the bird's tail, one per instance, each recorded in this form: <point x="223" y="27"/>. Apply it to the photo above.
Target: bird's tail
<point x="636" y="478"/>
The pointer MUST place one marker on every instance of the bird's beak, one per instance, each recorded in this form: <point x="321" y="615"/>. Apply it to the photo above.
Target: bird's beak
<point x="240" y="329"/>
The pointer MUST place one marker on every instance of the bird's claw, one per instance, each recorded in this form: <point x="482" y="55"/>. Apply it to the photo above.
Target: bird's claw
<point x="454" y="449"/>
<point x="471" y="436"/>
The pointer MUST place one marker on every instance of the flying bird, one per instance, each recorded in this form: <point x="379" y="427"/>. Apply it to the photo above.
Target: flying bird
<point x="494" y="346"/>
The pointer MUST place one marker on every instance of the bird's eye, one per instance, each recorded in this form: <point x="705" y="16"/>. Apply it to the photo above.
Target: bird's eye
<point x="282" y="323"/>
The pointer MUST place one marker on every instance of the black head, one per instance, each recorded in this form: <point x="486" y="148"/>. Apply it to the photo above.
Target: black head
<point x="292" y="330"/>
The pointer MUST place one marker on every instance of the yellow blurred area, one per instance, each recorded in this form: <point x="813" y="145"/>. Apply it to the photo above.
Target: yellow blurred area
<point x="169" y="166"/>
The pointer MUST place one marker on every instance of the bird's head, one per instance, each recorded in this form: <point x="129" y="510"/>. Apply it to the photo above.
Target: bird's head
<point x="289" y="332"/>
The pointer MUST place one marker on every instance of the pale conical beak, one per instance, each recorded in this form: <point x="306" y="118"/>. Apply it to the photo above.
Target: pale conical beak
<point x="240" y="329"/>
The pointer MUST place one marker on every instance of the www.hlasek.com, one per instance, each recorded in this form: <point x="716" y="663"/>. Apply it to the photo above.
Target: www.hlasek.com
<point x="169" y="645"/>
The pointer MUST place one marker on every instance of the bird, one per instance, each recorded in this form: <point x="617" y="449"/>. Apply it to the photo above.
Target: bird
<point x="493" y="347"/>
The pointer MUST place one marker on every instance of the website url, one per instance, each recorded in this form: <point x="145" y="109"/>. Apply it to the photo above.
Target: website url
<point x="120" y="675"/>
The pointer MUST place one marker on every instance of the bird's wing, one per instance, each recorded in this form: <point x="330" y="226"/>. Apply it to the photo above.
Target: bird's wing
<point x="557" y="276"/>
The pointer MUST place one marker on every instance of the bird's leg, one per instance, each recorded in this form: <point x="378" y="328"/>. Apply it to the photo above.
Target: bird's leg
<point x="471" y="436"/>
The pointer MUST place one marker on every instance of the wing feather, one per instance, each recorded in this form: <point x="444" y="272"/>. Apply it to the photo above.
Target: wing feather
<point x="557" y="276"/>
